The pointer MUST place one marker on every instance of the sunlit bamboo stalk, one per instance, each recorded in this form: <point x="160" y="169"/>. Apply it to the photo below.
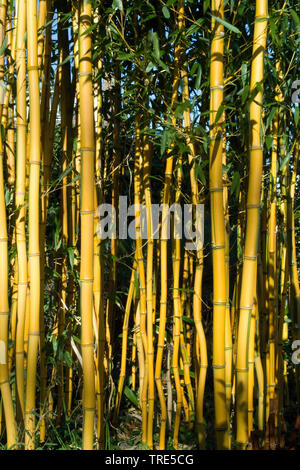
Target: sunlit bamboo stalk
<point x="33" y="247"/>
<point x="252" y="225"/>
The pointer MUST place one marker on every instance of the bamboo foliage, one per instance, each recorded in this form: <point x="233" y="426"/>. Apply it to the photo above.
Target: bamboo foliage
<point x="117" y="323"/>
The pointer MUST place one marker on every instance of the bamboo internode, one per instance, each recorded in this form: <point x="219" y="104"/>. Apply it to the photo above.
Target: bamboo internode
<point x="149" y="225"/>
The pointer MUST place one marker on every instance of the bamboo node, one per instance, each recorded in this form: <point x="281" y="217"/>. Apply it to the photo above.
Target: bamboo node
<point x="87" y="212"/>
<point x="218" y="247"/>
<point x="215" y="190"/>
<point x="255" y="147"/>
<point x="4" y="382"/>
<point x="85" y="74"/>
<point x="87" y="149"/>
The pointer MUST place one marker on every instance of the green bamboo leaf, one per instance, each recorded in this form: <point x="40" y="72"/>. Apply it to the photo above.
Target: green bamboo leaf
<point x="269" y="141"/>
<point x="244" y="69"/>
<point x="68" y="359"/>
<point x="270" y="117"/>
<point x="219" y="113"/>
<point x="76" y="339"/>
<point x="131" y="396"/>
<point x="117" y="4"/>
<point x="295" y="17"/>
<point x="235" y="185"/>
<point x="205" y="5"/>
<point x="166" y="12"/>
<point x="163" y="65"/>
<point x="227" y="25"/>
<point x="54" y="344"/>
<point x="71" y="256"/>
<point x="67" y="59"/>
<point x="4" y="44"/>
<point x="245" y="93"/>
<point x="65" y="173"/>
<point x="285" y="161"/>
<point x="199" y="174"/>
<point x="125" y="56"/>
<point x="156" y="45"/>
<point x="296" y="115"/>
<point x="163" y="142"/>
<point x="199" y="76"/>
<point x="181" y="108"/>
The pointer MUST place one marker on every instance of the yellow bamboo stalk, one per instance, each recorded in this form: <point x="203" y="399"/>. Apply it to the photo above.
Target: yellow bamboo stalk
<point x="294" y="279"/>
<point x="141" y="271"/>
<point x="147" y="160"/>
<point x="11" y="429"/>
<point x="20" y="203"/>
<point x="259" y="374"/>
<point x="218" y="225"/>
<point x="87" y="220"/>
<point x="252" y="224"/>
<point x="43" y="7"/>
<point x="176" y="330"/>
<point x="99" y="276"/>
<point x="251" y="364"/>
<point x="110" y="309"/>
<point x="184" y="360"/>
<point x="46" y="143"/>
<point x="228" y="324"/>
<point x="3" y="13"/>
<point x="139" y="345"/>
<point x="164" y="249"/>
<point x="272" y="272"/>
<point x="33" y="249"/>
<point x="124" y="344"/>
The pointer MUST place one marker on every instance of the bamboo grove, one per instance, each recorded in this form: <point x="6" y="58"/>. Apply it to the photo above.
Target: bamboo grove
<point x="149" y="342"/>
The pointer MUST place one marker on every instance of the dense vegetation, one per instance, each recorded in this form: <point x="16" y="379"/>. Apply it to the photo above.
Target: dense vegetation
<point x="112" y="342"/>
